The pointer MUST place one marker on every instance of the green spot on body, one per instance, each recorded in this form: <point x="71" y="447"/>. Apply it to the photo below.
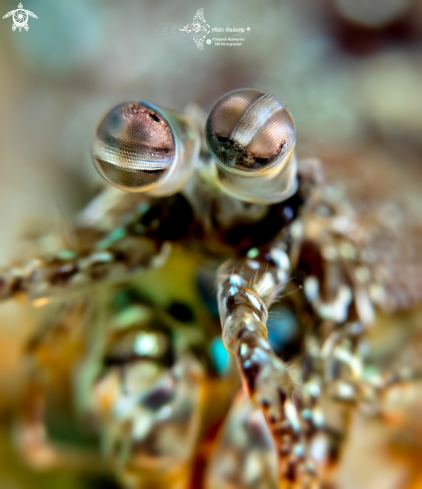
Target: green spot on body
<point x="252" y="253"/>
<point x="112" y="237"/>
<point x="133" y="315"/>
<point x="142" y="207"/>
<point x="66" y="255"/>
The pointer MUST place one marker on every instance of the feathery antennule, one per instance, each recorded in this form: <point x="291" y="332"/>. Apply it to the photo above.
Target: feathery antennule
<point x="275" y="294"/>
<point x="282" y="296"/>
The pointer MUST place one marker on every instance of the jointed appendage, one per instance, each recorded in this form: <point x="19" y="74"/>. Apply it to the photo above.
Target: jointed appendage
<point x="115" y="235"/>
<point x="245" y="291"/>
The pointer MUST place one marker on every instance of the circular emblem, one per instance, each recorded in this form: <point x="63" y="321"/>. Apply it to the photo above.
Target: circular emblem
<point x="20" y="18"/>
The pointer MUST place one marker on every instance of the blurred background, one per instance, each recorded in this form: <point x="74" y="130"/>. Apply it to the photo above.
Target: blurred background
<point x="350" y="72"/>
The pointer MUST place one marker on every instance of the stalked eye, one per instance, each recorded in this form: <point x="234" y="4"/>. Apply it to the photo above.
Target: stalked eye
<point x="250" y="133"/>
<point x="140" y="147"/>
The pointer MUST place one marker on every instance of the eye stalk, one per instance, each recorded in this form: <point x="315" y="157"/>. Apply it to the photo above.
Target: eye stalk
<point x="252" y="137"/>
<point x="139" y="147"/>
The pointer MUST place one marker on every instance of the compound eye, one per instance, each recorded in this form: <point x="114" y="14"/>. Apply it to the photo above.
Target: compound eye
<point x="249" y="130"/>
<point x="251" y="133"/>
<point x="137" y="147"/>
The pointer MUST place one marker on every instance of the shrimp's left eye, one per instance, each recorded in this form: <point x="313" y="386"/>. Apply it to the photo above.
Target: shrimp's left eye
<point x="140" y="147"/>
<point x="252" y="136"/>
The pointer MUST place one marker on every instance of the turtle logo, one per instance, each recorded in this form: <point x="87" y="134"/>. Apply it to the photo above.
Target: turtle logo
<point x="20" y="18"/>
<point x="198" y="28"/>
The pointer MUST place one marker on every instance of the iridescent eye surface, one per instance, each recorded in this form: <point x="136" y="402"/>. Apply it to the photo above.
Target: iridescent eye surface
<point x="133" y="147"/>
<point x="140" y="147"/>
<point x="249" y="130"/>
<point x="250" y="133"/>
